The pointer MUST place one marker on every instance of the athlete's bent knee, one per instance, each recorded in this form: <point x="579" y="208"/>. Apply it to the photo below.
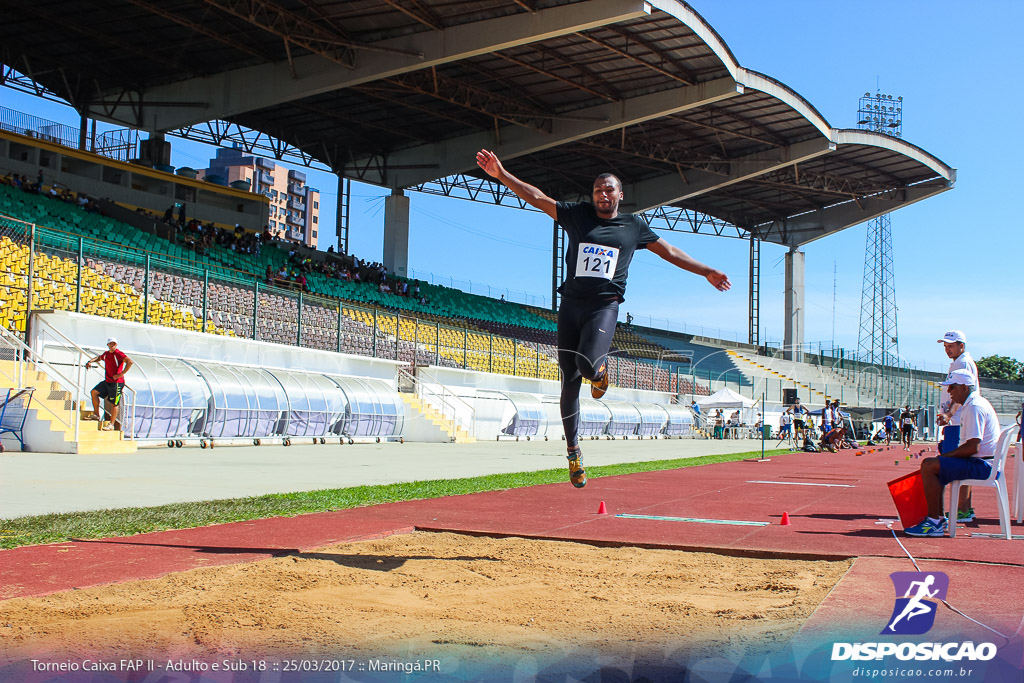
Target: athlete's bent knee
<point x="588" y="369"/>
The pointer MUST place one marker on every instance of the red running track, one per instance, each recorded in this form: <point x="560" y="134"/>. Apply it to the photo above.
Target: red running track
<point x="835" y="521"/>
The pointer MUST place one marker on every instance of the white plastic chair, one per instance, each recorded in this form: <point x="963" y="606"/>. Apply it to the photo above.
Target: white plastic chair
<point x="1018" y="496"/>
<point x="995" y="480"/>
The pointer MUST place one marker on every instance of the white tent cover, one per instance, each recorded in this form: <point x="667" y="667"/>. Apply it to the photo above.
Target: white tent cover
<point x="725" y="398"/>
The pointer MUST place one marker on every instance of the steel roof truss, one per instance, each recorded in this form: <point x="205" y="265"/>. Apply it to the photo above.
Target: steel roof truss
<point x="335" y="64"/>
<point x="692" y="183"/>
<point x="823" y="222"/>
<point x="457" y="155"/>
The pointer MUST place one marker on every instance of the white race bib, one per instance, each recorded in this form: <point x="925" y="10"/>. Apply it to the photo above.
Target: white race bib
<point x="595" y="260"/>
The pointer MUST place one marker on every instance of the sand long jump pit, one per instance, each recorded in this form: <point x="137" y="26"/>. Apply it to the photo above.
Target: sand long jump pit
<point x="460" y="601"/>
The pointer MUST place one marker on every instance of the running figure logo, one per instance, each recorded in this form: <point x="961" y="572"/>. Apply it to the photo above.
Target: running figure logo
<point x="914" y="612"/>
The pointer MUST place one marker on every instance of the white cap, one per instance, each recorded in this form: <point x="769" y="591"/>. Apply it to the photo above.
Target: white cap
<point x="952" y="337"/>
<point x="111" y="339"/>
<point x="959" y="377"/>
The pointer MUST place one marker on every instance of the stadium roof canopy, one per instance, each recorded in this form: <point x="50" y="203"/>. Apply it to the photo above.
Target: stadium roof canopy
<point x="403" y="92"/>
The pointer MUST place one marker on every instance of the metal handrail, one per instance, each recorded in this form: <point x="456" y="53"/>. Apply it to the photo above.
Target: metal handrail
<point x="472" y="411"/>
<point x="24" y="351"/>
<point x="442" y="397"/>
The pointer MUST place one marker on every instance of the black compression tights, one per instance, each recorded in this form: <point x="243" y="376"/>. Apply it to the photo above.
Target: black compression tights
<point x="585" y="330"/>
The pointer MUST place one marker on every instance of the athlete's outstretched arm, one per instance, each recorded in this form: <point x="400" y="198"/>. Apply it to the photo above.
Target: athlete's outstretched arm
<point x="489" y="162"/>
<point x="680" y="258"/>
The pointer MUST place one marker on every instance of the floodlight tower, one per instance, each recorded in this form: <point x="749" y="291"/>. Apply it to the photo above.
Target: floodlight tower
<point x="878" y="341"/>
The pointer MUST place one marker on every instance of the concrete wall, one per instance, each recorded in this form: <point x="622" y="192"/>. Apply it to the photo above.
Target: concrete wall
<point x="130" y="184"/>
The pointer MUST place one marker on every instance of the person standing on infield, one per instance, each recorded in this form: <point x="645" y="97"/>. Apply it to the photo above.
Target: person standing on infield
<point x="907" y="421"/>
<point x="115" y="364"/>
<point x="601" y="245"/>
<point x="890" y="426"/>
<point x="954" y="343"/>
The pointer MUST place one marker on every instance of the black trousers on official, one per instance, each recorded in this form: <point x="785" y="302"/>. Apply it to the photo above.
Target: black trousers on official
<point x="585" y="330"/>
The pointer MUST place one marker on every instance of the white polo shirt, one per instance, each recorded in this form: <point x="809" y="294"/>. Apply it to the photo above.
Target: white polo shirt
<point x="978" y="420"/>
<point x="961" y="362"/>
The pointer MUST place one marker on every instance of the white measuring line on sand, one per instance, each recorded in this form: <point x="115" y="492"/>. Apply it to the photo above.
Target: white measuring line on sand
<point x="804" y="483"/>
<point x="694" y="519"/>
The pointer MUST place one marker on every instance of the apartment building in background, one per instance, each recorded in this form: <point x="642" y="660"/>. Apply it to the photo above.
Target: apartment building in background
<point x="294" y="206"/>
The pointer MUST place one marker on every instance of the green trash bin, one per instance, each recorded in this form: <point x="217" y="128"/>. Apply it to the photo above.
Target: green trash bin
<point x="767" y="432"/>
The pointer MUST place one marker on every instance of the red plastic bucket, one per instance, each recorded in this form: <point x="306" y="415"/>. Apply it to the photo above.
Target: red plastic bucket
<point x="908" y="495"/>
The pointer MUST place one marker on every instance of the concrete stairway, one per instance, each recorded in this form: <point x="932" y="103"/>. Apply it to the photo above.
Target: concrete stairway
<point x="812" y="381"/>
<point x="46" y="432"/>
<point x="435" y="421"/>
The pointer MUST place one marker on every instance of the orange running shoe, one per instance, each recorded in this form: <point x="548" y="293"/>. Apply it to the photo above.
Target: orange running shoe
<point x="577" y="475"/>
<point x="599" y="386"/>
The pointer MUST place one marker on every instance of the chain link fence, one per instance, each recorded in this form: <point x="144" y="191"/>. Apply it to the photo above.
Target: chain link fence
<point x="118" y="280"/>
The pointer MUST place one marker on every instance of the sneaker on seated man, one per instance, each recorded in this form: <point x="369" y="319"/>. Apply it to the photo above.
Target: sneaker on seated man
<point x="979" y="434"/>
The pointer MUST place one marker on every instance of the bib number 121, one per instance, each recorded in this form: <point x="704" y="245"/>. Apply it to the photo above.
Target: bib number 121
<point x="595" y="260"/>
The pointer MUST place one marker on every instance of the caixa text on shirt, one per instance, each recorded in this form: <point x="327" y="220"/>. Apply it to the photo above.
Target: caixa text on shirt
<point x="599" y="251"/>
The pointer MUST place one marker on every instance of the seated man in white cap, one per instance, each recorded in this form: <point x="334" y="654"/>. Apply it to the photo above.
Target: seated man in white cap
<point x="115" y="364"/>
<point x="979" y="434"/>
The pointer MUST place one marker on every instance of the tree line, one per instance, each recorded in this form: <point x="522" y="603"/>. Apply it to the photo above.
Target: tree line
<point x="1001" y="367"/>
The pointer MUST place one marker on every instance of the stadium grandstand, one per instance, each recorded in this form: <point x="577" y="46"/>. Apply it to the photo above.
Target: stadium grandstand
<point x="226" y="321"/>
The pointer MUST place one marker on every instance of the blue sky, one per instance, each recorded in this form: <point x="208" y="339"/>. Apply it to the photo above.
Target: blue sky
<point x="954" y="254"/>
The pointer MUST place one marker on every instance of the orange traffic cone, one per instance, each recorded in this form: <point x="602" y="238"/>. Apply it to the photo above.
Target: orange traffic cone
<point x="785" y="519"/>
<point x="601" y="509"/>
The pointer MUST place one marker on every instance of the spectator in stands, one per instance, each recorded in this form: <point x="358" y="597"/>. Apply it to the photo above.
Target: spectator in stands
<point x="978" y="434"/>
<point x="601" y="245"/>
<point x="907" y="421"/>
<point x="502" y="299"/>
<point x="416" y="290"/>
<point x="300" y="280"/>
<point x="629" y="320"/>
<point x="116" y="364"/>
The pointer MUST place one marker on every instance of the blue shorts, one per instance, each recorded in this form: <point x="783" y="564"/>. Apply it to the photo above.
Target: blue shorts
<point x="951" y="469"/>
<point x="950" y="439"/>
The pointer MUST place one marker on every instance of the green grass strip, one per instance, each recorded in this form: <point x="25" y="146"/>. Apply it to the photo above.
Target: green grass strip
<point x="57" y="528"/>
